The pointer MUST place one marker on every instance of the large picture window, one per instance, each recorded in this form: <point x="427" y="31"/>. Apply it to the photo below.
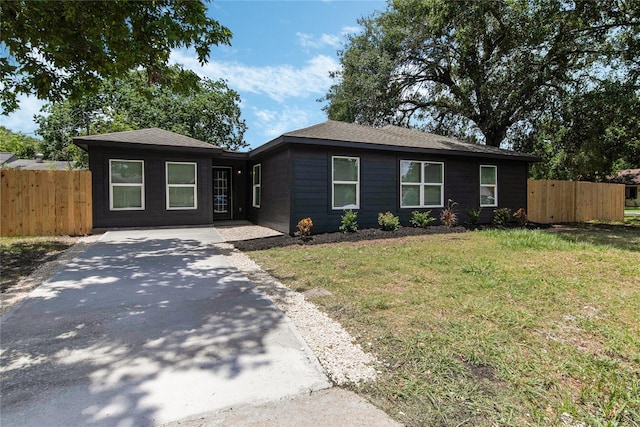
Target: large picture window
<point x="421" y="184"/>
<point x="257" y="185"/>
<point x="488" y="186"/>
<point x="182" y="184"/>
<point x="126" y="185"/>
<point x="345" y="182"/>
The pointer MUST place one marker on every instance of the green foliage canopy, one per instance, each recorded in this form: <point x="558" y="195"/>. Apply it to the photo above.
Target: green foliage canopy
<point x="23" y="146"/>
<point x="481" y="69"/>
<point x="211" y="113"/>
<point x="57" y="49"/>
<point x="594" y="134"/>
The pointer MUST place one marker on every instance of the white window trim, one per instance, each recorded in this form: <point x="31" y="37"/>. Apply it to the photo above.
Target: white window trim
<point x="254" y="203"/>
<point x="333" y="184"/>
<point x="194" y="186"/>
<point x="494" y="186"/>
<point x="119" y="184"/>
<point x="422" y="184"/>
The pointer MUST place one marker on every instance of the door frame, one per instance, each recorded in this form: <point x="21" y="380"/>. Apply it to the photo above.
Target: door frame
<point x="221" y="215"/>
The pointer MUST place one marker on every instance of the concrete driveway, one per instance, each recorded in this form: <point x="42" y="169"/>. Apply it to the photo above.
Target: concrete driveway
<point x="145" y="328"/>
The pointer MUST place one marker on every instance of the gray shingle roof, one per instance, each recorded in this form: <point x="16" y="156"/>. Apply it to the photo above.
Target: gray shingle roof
<point x="151" y="136"/>
<point x="6" y="156"/>
<point x="28" y="164"/>
<point x="397" y="137"/>
<point x="627" y="176"/>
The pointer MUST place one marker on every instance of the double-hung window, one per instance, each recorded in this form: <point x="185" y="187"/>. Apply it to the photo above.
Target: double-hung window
<point x="421" y="184"/>
<point x="257" y="185"/>
<point x="182" y="184"/>
<point x="345" y="182"/>
<point x="488" y="185"/>
<point x="126" y="185"/>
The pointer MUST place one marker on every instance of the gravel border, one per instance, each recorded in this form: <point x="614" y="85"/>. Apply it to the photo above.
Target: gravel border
<point x="343" y="360"/>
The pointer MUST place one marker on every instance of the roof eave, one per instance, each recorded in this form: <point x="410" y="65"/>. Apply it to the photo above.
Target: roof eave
<point x="85" y="144"/>
<point x="396" y="148"/>
<point x="269" y="146"/>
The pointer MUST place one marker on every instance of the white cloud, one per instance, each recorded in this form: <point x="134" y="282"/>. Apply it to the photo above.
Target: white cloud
<point x="278" y="82"/>
<point x="272" y="123"/>
<point x="309" y="41"/>
<point x="350" y="30"/>
<point x="22" y="120"/>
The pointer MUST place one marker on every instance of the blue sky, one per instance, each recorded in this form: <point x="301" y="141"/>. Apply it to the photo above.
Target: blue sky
<point x="279" y="61"/>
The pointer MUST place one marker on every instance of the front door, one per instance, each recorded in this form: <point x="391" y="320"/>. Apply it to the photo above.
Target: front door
<point x="222" y="207"/>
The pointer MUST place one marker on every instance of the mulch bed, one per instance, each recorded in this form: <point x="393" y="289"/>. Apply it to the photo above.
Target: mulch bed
<point x="360" y="235"/>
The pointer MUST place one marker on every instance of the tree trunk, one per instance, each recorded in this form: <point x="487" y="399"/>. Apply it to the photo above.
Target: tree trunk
<point x="493" y="137"/>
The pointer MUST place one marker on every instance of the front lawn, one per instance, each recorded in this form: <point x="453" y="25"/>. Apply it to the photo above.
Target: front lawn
<point x="631" y="210"/>
<point x="488" y="328"/>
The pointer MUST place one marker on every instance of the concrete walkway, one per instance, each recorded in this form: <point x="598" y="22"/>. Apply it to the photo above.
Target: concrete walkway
<point x="148" y="327"/>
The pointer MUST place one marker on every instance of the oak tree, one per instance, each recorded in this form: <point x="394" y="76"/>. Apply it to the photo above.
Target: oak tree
<point x="481" y="69"/>
<point x="58" y="49"/>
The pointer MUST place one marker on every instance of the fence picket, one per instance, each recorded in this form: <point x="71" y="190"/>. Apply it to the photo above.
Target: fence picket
<point x="551" y="201"/>
<point x="45" y="202"/>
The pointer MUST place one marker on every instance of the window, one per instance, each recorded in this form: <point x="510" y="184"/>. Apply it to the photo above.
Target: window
<point x="421" y="184"/>
<point x="631" y="193"/>
<point x="345" y="182"/>
<point x="257" y="185"/>
<point x="488" y="186"/>
<point x="181" y="185"/>
<point x="126" y="185"/>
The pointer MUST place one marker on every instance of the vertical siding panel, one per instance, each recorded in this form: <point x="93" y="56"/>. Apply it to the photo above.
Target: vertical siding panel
<point x="276" y="187"/>
<point x="155" y="212"/>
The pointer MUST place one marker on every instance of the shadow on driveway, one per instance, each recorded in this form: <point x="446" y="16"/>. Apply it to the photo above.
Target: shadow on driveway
<point x="144" y="330"/>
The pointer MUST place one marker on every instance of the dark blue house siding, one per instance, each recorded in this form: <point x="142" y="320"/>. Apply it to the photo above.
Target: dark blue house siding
<point x="380" y="186"/>
<point x="155" y="212"/>
<point x="274" y="210"/>
<point x="296" y="179"/>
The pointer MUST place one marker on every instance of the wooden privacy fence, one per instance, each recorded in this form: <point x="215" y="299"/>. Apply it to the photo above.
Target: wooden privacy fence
<point x="551" y="201"/>
<point x="45" y="202"/>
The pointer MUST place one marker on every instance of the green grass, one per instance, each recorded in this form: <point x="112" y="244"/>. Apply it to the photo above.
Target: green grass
<point x="488" y="328"/>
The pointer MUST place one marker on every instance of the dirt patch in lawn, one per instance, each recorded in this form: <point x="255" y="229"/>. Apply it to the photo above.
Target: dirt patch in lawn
<point x="27" y="262"/>
<point x="360" y="235"/>
<point x="22" y="258"/>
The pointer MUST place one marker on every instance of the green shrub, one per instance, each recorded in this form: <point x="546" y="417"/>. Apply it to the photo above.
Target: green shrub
<point x="349" y="223"/>
<point x="421" y="219"/>
<point x="448" y="216"/>
<point x="474" y="215"/>
<point x="388" y="221"/>
<point x="501" y="217"/>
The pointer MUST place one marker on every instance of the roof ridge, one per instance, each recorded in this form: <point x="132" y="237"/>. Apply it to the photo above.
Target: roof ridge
<point x="148" y="136"/>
